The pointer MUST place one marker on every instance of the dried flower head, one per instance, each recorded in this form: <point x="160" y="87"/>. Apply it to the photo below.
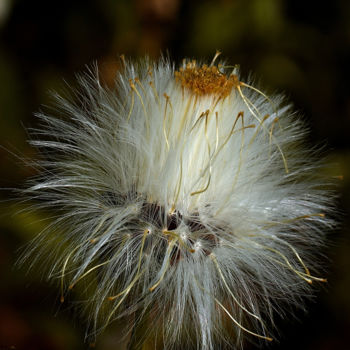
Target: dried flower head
<point x="186" y="203"/>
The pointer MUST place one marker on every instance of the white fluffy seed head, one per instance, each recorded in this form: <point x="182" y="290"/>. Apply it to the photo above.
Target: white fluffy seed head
<point x="185" y="201"/>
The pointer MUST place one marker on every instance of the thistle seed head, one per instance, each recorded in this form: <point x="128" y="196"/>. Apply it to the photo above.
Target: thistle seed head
<point x="185" y="201"/>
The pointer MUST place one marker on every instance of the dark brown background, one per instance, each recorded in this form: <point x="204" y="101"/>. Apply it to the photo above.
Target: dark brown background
<point x="301" y="47"/>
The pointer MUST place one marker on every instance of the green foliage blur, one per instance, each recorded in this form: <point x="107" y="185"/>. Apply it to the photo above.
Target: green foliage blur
<point x="300" y="47"/>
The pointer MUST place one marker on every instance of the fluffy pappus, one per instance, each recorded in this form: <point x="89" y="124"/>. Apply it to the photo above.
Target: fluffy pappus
<point x="185" y="201"/>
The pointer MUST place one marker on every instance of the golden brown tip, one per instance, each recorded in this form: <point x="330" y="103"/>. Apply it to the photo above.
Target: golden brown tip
<point x="206" y="80"/>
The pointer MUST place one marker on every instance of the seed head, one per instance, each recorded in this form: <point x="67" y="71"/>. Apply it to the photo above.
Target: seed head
<point x="185" y="202"/>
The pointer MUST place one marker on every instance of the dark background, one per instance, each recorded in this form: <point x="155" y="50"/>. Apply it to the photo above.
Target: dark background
<point x="300" y="47"/>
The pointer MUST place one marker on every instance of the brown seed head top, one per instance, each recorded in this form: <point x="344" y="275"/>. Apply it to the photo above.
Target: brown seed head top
<point x="206" y="80"/>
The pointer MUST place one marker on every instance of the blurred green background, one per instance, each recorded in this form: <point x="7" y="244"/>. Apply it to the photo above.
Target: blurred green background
<point x="300" y="47"/>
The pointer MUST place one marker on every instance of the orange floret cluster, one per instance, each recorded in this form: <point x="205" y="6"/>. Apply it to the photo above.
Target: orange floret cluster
<point x="206" y="80"/>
